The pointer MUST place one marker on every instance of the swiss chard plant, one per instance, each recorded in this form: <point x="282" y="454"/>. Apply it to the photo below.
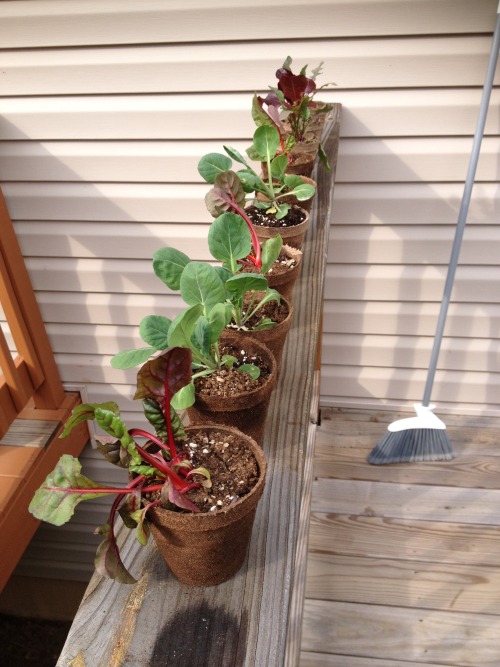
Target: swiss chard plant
<point x="291" y="100"/>
<point x="216" y="296"/>
<point x="231" y="188"/>
<point x="157" y="469"/>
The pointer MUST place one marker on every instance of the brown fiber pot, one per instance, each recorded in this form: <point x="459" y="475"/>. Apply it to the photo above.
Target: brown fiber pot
<point x="205" y="549"/>
<point x="285" y="282"/>
<point x="246" y="411"/>
<point x="273" y="338"/>
<point x="293" y="236"/>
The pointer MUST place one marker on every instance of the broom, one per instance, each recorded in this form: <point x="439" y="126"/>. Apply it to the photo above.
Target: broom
<point x="424" y="437"/>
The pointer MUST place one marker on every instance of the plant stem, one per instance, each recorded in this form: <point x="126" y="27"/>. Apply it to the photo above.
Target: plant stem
<point x="155" y="462"/>
<point x="253" y="234"/>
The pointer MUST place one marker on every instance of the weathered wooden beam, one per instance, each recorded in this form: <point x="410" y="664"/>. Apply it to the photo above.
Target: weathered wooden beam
<point x="245" y="622"/>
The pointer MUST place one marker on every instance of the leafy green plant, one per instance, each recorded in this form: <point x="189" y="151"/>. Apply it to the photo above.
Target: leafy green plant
<point x="158" y="467"/>
<point x="293" y="101"/>
<point x="231" y="188"/>
<point x="216" y="296"/>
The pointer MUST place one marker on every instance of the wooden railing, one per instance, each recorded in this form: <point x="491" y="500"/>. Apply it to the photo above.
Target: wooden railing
<point x="31" y="372"/>
<point x="33" y="403"/>
<point x="254" y="619"/>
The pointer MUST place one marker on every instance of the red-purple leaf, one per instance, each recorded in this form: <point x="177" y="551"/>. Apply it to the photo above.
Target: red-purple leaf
<point x="294" y="86"/>
<point x="178" y="499"/>
<point x="226" y="195"/>
<point x="107" y="561"/>
<point x="164" y="375"/>
<point x="271" y="99"/>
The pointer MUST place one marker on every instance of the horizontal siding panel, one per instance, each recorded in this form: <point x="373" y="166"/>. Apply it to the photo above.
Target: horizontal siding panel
<point x="242" y="66"/>
<point x="382" y="352"/>
<point x="126" y="240"/>
<point x="106" y="308"/>
<point x="356" y="282"/>
<point x="122" y="276"/>
<point x="93" y="369"/>
<point x="384" y="203"/>
<point x="348" y="244"/>
<point x="415" y="159"/>
<point x="107" y="202"/>
<point x="386" y="113"/>
<point x="356" y="244"/>
<point x="469" y="320"/>
<point x="412" y="204"/>
<point x="128" y="116"/>
<point x="53" y="22"/>
<point x="377" y="384"/>
<point x="136" y="162"/>
<point x="410" y="283"/>
<point x="102" y="339"/>
<point x="122" y="394"/>
<point x="457" y="354"/>
<point x="93" y="339"/>
<point x="360" y="160"/>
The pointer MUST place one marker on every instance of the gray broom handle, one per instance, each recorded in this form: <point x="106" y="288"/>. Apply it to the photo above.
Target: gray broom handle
<point x="464" y="207"/>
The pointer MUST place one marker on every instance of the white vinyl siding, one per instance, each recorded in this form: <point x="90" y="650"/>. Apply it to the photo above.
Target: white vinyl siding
<point x="106" y="107"/>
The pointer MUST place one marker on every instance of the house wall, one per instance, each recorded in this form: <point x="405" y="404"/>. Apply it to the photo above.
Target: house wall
<point x="107" y="105"/>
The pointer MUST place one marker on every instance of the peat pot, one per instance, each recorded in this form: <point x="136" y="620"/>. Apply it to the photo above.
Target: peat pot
<point x="205" y="549"/>
<point x="247" y="410"/>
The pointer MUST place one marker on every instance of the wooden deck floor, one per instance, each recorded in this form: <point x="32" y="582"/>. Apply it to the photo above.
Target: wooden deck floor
<point x="403" y="561"/>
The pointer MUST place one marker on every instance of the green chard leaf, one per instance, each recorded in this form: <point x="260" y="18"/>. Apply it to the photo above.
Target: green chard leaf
<point x="229" y="239"/>
<point x="200" y="284"/>
<point x="242" y="283"/>
<point x="153" y="330"/>
<point x="164" y="375"/>
<point x="183" y="326"/>
<point x="270" y="252"/>
<point x="266" y="140"/>
<point x="131" y="358"/>
<point x="252" y="370"/>
<point x="168" y="265"/>
<point x="213" y="164"/>
<point x="85" y="412"/>
<point x="184" y="398"/>
<point x="64" y="488"/>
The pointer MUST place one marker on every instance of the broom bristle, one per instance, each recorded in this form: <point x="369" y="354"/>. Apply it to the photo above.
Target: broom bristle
<point x="411" y="445"/>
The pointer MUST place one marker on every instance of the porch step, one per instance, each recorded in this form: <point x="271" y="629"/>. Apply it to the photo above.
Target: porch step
<point x="28" y="452"/>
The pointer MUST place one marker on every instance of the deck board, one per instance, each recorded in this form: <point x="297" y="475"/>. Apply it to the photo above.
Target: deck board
<point x="403" y="560"/>
<point x="377" y="631"/>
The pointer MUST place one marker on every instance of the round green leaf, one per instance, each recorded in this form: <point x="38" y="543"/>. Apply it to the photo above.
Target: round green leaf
<point x="184" y="398"/>
<point x="266" y="140"/>
<point x="154" y="331"/>
<point x="200" y="284"/>
<point x="246" y="282"/>
<point x="213" y="164"/>
<point x="229" y="239"/>
<point x="168" y="265"/>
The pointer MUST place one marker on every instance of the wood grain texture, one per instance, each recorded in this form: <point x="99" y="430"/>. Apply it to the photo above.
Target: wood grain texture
<point x="399" y="538"/>
<point x="449" y="638"/>
<point x="408" y="501"/>
<point x="309" y="659"/>
<point x="403" y="583"/>
<point x="403" y="565"/>
<point x="245" y="620"/>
